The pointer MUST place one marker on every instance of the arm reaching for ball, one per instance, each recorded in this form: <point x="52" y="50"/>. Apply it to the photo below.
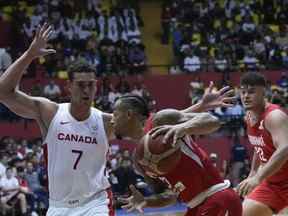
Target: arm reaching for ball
<point x="175" y="124"/>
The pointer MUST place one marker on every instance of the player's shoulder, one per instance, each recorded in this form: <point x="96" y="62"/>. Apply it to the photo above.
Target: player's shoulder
<point x="108" y="125"/>
<point x="107" y="116"/>
<point x="275" y="118"/>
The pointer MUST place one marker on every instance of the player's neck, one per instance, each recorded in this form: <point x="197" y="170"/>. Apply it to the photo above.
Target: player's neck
<point x="80" y="112"/>
<point x="137" y="133"/>
<point x="258" y="111"/>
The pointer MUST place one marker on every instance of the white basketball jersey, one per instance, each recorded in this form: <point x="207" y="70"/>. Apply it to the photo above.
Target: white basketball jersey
<point x="77" y="155"/>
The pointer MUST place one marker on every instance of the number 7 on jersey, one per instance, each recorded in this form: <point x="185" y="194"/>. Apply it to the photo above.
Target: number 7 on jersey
<point x="79" y="153"/>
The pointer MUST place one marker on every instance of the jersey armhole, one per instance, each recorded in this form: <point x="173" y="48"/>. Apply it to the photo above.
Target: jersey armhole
<point x="59" y="107"/>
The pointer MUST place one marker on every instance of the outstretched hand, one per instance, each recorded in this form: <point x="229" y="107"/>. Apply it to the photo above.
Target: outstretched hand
<point x="135" y="202"/>
<point x="38" y="46"/>
<point x="220" y="98"/>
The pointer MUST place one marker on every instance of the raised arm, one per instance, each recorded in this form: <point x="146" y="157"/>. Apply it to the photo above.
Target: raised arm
<point x="40" y="109"/>
<point x="210" y="100"/>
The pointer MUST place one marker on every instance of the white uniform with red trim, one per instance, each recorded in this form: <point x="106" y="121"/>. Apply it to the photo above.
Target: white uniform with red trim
<point x="77" y="156"/>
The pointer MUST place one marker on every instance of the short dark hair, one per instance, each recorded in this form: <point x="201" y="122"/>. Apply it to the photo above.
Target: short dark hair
<point x="253" y="79"/>
<point x="136" y="103"/>
<point x="80" y="66"/>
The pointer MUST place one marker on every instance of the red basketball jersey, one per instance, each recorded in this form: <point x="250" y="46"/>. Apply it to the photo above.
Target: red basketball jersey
<point x="262" y="142"/>
<point x="194" y="173"/>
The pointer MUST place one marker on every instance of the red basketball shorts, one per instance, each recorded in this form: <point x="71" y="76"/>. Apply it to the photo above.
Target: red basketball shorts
<point x="274" y="196"/>
<point x="220" y="203"/>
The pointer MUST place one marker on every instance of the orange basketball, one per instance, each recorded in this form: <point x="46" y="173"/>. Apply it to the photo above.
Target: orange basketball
<point x="156" y="158"/>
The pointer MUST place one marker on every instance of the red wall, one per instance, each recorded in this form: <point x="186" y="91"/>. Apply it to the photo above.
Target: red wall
<point x="167" y="90"/>
<point x="5" y="33"/>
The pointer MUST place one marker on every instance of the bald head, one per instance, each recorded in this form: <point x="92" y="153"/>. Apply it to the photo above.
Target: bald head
<point x="167" y="116"/>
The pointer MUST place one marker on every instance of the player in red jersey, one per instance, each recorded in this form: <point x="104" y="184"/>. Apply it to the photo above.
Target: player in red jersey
<point x="266" y="188"/>
<point x="194" y="181"/>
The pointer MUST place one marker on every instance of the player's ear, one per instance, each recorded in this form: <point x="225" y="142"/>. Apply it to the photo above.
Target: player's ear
<point x="129" y="113"/>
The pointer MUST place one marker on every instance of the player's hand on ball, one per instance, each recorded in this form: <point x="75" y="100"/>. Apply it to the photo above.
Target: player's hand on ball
<point x="247" y="185"/>
<point x="170" y="131"/>
<point x="38" y="47"/>
<point x="220" y="98"/>
<point x="135" y="202"/>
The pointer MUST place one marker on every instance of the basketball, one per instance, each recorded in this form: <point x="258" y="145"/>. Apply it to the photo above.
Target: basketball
<point x="156" y="158"/>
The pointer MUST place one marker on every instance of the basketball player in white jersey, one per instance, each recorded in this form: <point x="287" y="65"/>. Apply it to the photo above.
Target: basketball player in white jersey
<point x="75" y="134"/>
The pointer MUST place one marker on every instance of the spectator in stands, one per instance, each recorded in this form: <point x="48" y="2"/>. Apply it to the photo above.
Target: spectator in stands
<point x="238" y="156"/>
<point x="137" y="90"/>
<point x="125" y="175"/>
<point x="260" y="49"/>
<point x="28" y="29"/>
<point x="248" y="30"/>
<point x="277" y="96"/>
<point x="52" y="90"/>
<point x="12" y="192"/>
<point x="243" y="24"/>
<point x="33" y="180"/>
<point x="192" y="62"/>
<point x="250" y="61"/>
<point x="26" y="190"/>
<point x="2" y="170"/>
<point x="175" y="69"/>
<point x="93" y="5"/>
<point x="133" y="33"/>
<point x="283" y="81"/>
<point x="137" y="58"/>
<point x="5" y="60"/>
<point x="217" y="163"/>
<point x="123" y="85"/>
<point x="122" y="56"/>
<point x="148" y="97"/>
<point x="281" y="38"/>
<point x="126" y="154"/>
<point x="37" y="90"/>
<point x="221" y="63"/>
<point x="74" y="24"/>
<point x="113" y="95"/>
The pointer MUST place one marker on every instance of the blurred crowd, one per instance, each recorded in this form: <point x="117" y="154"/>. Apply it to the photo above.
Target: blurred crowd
<point x="107" y="93"/>
<point x="226" y="35"/>
<point x="23" y="178"/>
<point x="107" y="35"/>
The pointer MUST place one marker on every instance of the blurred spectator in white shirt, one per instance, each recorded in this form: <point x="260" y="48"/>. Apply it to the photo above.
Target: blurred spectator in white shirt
<point x="192" y="63"/>
<point x="5" y="60"/>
